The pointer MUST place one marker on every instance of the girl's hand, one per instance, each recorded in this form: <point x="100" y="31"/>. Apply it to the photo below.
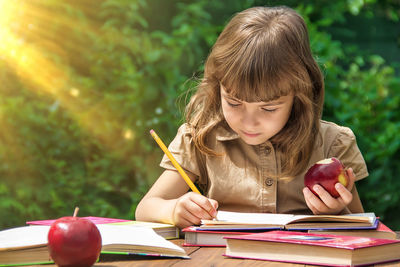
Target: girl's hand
<point x="326" y="204"/>
<point x="191" y="208"/>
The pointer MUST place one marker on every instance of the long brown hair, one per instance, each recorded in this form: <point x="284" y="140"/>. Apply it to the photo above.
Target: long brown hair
<point x="262" y="54"/>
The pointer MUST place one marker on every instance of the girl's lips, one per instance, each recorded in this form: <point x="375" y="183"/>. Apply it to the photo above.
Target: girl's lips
<point x="251" y="134"/>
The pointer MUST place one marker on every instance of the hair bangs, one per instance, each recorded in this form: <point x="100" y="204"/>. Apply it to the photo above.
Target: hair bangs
<point x="254" y="80"/>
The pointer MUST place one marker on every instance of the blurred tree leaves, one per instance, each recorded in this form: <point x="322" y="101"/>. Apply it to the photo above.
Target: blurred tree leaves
<point x="103" y="73"/>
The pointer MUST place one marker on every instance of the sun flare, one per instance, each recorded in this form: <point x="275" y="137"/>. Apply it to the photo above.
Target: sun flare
<point x="32" y="52"/>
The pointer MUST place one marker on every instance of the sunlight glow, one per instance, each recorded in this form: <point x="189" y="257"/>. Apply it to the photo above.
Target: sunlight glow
<point x="27" y="59"/>
<point x="6" y="8"/>
<point x="129" y="134"/>
<point x="74" y="92"/>
<point x="29" y="48"/>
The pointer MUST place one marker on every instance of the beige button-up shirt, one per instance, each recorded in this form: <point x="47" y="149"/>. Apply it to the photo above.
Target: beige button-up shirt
<point x="239" y="179"/>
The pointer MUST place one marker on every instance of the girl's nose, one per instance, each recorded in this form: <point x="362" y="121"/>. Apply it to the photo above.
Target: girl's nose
<point x="249" y="119"/>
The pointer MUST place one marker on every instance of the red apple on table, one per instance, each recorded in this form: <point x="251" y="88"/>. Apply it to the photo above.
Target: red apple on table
<point x="327" y="173"/>
<point x="74" y="242"/>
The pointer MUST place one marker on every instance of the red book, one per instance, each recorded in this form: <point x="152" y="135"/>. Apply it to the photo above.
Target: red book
<point x="194" y="236"/>
<point x="309" y="248"/>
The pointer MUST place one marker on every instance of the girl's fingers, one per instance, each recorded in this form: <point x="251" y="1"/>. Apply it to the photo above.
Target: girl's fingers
<point x="345" y="195"/>
<point x="332" y="204"/>
<point x="325" y="203"/>
<point x="182" y="215"/>
<point x="191" y="208"/>
<point x="206" y="209"/>
<point x="312" y="200"/>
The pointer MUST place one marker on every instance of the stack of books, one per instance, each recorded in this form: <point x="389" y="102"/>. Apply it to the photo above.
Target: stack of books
<point x="211" y="232"/>
<point x="334" y="240"/>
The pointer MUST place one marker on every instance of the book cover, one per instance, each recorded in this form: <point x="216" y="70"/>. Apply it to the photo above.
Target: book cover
<point x="310" y="248"/>
<point x="195" y="236"/>
<point x="238" y="220"/>
<point x="382" y="231"/>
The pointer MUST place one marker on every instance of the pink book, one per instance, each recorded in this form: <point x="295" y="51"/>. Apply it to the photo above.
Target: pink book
<point x="311" y="248"/>
<point x="96" y="220"/>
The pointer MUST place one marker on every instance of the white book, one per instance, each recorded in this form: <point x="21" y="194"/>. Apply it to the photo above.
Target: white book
<point x="24" y="236"/>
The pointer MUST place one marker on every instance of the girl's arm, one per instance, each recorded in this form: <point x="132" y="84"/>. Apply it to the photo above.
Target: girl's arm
<point x="355" y="206"/>
<point x="348" y="201"/>
<point x="169" y="201"/>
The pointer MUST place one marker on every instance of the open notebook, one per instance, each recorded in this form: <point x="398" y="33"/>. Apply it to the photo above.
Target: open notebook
<point x="244" y="221"/>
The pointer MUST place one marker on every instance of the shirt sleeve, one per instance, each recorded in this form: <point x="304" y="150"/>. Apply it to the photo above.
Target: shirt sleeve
<point x="345" y="148"/>
<point x="183" y="150"/>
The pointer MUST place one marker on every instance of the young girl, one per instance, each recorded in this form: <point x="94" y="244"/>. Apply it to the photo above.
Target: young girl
<point x="253" y="128"/>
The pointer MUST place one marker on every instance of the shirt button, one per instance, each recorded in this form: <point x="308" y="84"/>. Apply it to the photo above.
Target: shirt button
<point x="269" y="182"/>
<point x="267" y="150"/>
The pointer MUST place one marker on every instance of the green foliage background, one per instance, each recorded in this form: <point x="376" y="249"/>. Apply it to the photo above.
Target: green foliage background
<point x="122" y="67"/>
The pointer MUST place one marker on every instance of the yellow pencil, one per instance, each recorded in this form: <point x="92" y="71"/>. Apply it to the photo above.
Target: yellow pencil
<point x="174" y="162"/>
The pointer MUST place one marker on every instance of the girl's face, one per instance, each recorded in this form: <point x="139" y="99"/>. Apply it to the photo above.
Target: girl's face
<point x="256" y="122"/>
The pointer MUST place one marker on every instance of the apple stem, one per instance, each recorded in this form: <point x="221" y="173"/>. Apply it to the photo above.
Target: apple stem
<point x="76" y="211"/>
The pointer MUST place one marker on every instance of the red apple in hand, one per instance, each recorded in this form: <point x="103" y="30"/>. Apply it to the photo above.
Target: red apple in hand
<point x="74" y="242"/>
<point x="327" y="173"/>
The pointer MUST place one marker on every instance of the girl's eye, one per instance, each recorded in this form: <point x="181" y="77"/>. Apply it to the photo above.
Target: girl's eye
<point x="232" y="104"/>
<point x="269" y="110"/>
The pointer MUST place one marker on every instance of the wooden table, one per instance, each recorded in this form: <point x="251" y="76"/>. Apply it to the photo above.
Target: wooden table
<point x="199" y="256"/>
